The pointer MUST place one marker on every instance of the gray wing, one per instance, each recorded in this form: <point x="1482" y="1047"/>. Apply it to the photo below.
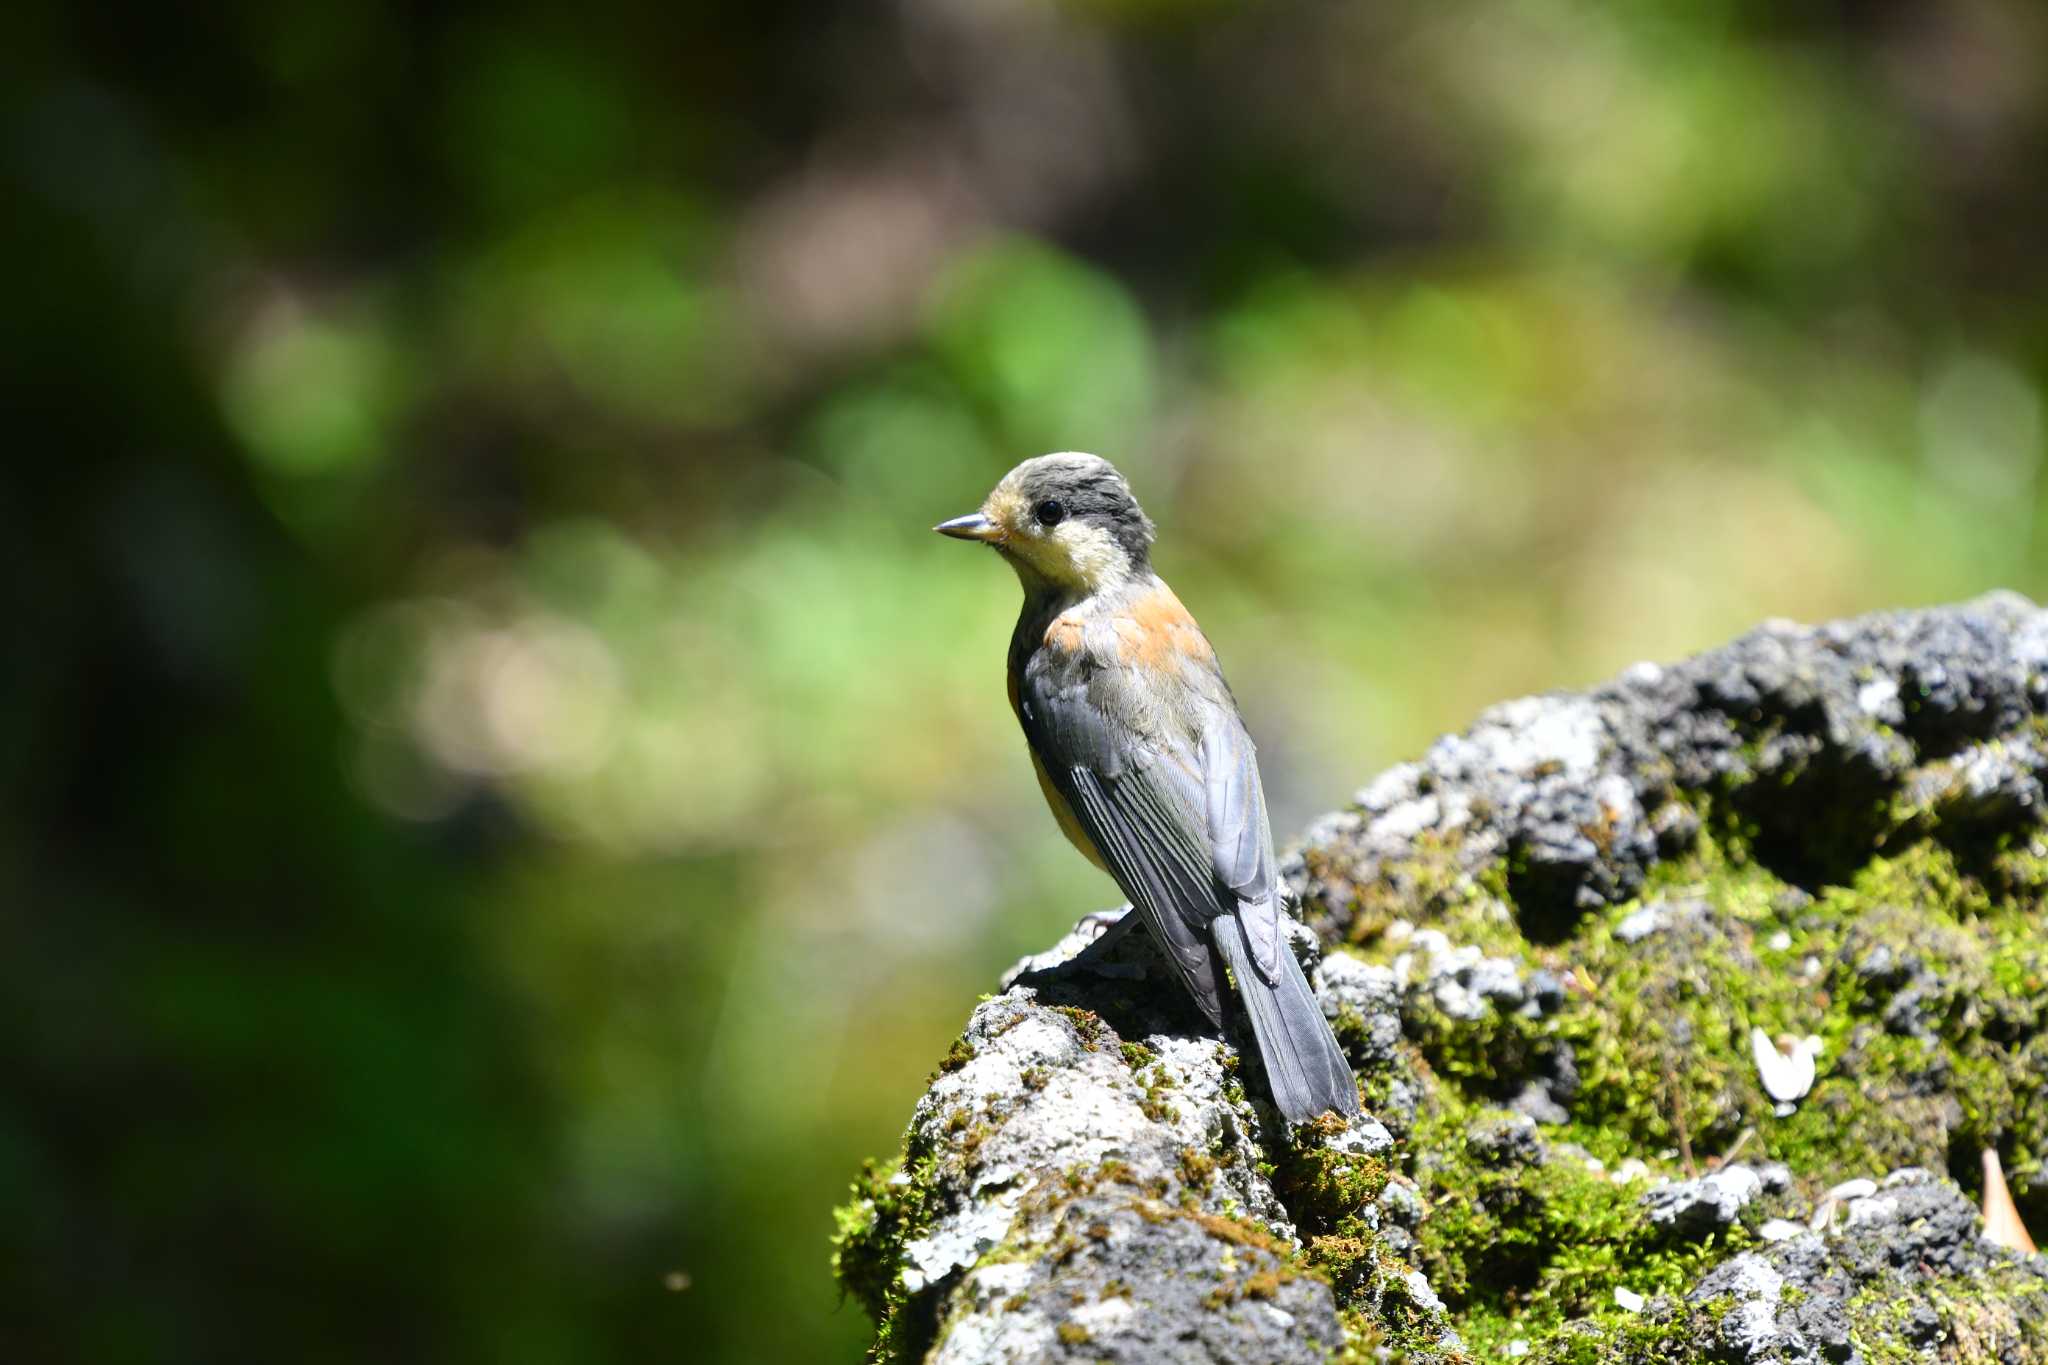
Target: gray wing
<point x="1181" y="824"/>
<point x="1241" y="837"/>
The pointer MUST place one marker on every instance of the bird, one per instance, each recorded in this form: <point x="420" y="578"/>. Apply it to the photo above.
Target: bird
<point x="1144" y="759"/>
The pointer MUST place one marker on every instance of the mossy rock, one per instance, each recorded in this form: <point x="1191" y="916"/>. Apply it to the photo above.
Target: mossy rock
<point x="1560" y="933"/>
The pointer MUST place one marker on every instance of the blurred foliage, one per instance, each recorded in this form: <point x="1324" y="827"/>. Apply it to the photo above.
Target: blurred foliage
<point x="505" y="799"/>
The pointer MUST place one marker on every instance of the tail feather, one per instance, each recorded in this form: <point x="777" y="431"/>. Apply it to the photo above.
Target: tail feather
<point x="1305" y="1066"/>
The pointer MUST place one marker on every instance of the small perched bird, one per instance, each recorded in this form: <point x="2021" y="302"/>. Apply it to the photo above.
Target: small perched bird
<point x="1145" y="761"/>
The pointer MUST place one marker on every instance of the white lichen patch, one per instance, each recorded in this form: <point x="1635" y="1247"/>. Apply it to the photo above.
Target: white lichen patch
<point x="1105" y="1317"/>
<point x="996" y="1338"/>
<point x="956" y="1242"/>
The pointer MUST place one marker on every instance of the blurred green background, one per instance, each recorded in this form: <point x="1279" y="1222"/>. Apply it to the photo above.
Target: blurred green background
<point x="506" y="800"/>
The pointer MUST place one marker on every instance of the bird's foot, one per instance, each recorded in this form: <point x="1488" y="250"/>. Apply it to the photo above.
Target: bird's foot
<point x="1109" y="925"/>
<point x="1093" y="960"/>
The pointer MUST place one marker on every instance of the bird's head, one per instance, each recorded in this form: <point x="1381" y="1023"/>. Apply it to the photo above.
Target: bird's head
<point x="1065" y="521"/>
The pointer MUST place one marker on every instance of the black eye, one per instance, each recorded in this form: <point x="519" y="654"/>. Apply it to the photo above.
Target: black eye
<point x="1049" y="512"/>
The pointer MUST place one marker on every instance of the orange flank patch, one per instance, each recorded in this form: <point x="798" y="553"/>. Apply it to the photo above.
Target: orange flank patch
<point x="1159" y="633"/>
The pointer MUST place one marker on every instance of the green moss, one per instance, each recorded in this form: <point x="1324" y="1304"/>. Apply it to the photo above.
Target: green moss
<point x="1262" y="1284"/>
<point x="1324" y="1188"/>
<point x="1999" y="1318"/>
<point x="1363" y="1338"/>
<point x="1486" y="1058"/>
<point x="1154" y="1104"/>
<point x="1943" y="1052"/>
<point x="1946" y="1053"/>
<point x="1666" y="1335"/>
<point x="1518" y="1247"/>
<point x="1087" y="1024"/>
<point x="1327" y="1193"/>
<point x="1659" y="1028"/>
<point x="1233" y="1081"/>
<point x="867" y="1247"/>
<point x="1407" y="1322"/>
<point x="957" y="1056"/>
<point x="1431" y="887"/>
<point x="1197" y="1169"/>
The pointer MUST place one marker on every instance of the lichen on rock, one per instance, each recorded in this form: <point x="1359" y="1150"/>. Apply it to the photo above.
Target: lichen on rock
<point x="1546" y="946"/>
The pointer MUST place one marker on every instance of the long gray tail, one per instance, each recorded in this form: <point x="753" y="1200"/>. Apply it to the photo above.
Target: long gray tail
<point x="1303" y="1062"/>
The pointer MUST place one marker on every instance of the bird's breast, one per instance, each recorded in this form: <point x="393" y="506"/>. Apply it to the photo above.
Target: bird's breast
<point x="1154" y="631"/>
<point x="1146" y="629"/>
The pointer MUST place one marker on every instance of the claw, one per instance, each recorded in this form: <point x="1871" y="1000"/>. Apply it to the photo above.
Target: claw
<point x="1092" y="960"/>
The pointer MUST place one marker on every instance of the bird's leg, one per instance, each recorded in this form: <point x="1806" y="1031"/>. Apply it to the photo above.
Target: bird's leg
<point x="1110" y="925"/>
<point x="1093" y="958"/>
<point x="1114" y="924"/>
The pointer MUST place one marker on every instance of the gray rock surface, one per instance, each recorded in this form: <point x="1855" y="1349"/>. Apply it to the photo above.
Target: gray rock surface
<point x="1091" y="1183"/>
<point x="1888" y="1270"/>
<point x="1813" y="729"/>
<point x="1709" y="1204"/>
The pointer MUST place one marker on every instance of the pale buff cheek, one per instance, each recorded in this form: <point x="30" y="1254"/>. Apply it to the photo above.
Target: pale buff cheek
<point x="1095" y="560"/>
<point x="1076" y="556"/>
<point x="1073" y="554"/>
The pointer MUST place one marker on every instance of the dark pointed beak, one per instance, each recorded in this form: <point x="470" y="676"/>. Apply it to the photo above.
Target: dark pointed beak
<point x="973" y="526"/>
